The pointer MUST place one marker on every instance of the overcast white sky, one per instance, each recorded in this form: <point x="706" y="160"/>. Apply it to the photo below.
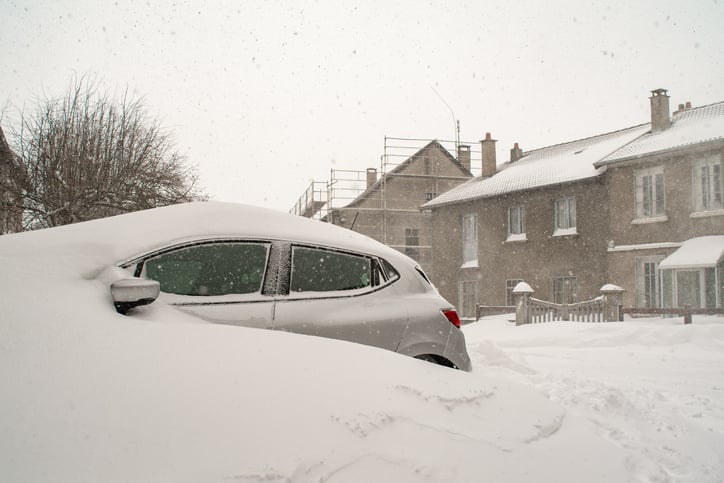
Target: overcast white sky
<point x="265" y="96"/>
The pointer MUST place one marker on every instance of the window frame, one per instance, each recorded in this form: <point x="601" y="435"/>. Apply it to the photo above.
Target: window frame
<point x="642" y="279"/>
<point x="702" y="196"/>
<point x="412" y="250"/>
<point x="570" y="215"/>
<point x="467" y="299"/>
<point x="469" y="237"/>
<point x="519" y="234"/>
<point x="708" y="282"/>
<point x="568" y="293"/>
<point x="649" y="197"/>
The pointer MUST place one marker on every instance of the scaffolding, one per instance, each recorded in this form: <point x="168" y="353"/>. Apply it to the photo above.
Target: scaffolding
<point x="313" y="202"/>
<point x="346" y="186"/>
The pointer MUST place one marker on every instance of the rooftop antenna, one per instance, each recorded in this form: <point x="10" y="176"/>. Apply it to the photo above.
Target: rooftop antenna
<point x="456" y="123"/>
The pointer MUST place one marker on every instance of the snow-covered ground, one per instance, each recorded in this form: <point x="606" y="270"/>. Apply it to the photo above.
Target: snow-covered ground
<point x="88" y="395"/>
<point x="654" y="387"/>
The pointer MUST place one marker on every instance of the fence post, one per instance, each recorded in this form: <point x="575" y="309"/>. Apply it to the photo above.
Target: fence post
<point x="612" y="298"/>
<point x="522" y="293"/>
<point x="687" y="314"/>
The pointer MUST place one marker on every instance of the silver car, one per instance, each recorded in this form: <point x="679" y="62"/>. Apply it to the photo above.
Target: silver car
<point x="298" y="275"/>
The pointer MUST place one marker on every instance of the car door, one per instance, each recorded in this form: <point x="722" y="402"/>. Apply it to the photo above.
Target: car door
<point x="221" y="281"/>
<point x="340" y="295"/>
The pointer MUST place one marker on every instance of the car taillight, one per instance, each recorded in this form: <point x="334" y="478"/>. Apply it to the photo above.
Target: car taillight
<point x="452" y="316"/>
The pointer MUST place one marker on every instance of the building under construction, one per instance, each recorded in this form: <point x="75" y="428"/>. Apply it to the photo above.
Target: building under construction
<point x="384" y="202"/>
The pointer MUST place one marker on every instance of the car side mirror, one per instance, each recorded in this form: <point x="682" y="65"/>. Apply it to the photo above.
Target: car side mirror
<point x="128" y="293"/>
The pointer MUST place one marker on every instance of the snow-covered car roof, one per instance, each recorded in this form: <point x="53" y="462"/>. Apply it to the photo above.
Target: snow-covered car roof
<point x="119" y="238"/>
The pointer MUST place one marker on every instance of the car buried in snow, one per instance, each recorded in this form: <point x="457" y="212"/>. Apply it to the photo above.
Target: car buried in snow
<point x="241" y="265"/>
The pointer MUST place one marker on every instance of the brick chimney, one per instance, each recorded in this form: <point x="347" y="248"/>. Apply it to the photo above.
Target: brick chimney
<point x="487" y="146"/>
<point x="371" y="176"/>
<point x="516" y="153"/>
<point x="660" y="119"/>
<point x="464" y="156"/>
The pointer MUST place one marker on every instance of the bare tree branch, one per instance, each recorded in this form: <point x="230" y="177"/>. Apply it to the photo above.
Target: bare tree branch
<point x="88" y="155"/>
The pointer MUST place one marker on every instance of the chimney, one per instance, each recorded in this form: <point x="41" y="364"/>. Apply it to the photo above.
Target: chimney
<point x="487" y="146"/>
<point x="371" y="176"/>
<point x="464" y="156"/>
<point x="683" y="107"/>
<point x="660" y="119"/>
<point x="516" y="153"/>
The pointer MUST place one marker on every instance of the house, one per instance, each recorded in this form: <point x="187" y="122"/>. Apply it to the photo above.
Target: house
<point x="666" y="212"/>
<point x="385" y="205"/>
<point x="10" y="211"/>
<point x="623" y="207"/>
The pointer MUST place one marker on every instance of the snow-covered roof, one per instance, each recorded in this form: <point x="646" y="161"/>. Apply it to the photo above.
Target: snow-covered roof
<point x="700" y="252"/>
<point x="562" y="163"/>
<point x="688" y="127"/>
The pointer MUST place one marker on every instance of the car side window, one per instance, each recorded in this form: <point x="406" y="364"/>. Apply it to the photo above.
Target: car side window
<point x="319" y="270"/>
<point x="210" y="269"/>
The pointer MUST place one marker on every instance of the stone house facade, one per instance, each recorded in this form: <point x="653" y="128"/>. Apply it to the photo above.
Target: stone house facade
<point x="666" y="209"/>
<point x="569" y="218"/>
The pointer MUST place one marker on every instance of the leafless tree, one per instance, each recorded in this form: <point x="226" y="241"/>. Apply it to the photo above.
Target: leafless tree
<point x="89" y="155"/>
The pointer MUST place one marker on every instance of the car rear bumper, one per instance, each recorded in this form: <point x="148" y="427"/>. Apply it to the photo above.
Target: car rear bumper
<point x="456" y="350"/>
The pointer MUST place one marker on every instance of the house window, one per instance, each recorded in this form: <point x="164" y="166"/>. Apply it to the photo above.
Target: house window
<point x="647" y="281"/>
<point x="470" y="238"/>
<point x="708" y="184"/>
<point x="468" y="298"/>
<point x="509" y="287"/>
<point x="650" y="201"/>
<point x="516" y="223"/>
<point x="565" y="216"/>
<point x="695" y="286"/>
<point x="412" y="243"/>
<point x="565" y="290"/>
<point x="429" y="196"/>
